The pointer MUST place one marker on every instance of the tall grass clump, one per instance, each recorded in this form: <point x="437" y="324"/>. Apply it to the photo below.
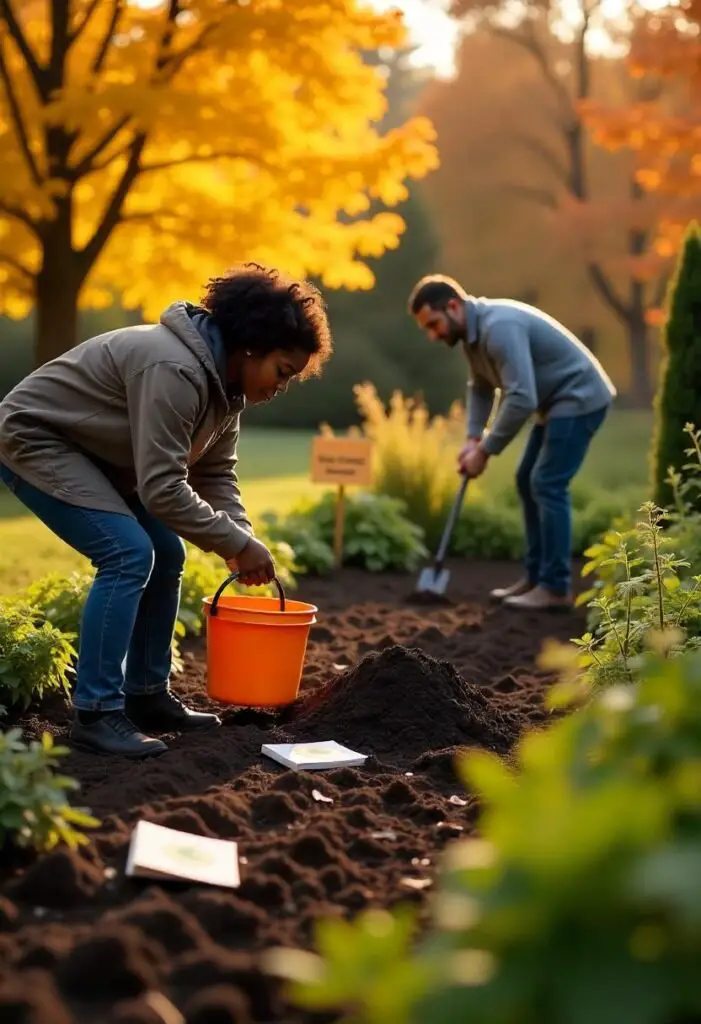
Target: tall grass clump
<point x="414" y="454"/>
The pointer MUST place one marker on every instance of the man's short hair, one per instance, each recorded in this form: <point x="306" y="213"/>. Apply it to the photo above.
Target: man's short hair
<point x="436" y="291"/>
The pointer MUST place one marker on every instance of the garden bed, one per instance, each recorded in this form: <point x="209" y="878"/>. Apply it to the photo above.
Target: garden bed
<point x="80" y="943"/>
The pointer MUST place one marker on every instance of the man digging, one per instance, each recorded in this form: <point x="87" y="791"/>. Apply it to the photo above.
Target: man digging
<point x="543" y="371"/>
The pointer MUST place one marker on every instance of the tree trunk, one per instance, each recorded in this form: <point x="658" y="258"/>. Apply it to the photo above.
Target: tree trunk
<point x="57" y="313"/>
<point x="58" y="286"/>
<point x="639" y="349"/>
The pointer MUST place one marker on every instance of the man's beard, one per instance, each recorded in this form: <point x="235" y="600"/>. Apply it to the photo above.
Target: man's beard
<point x="456" y="332"/>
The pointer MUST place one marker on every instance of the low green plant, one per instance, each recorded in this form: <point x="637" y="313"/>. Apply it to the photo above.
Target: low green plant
<point x="580" y="900"/>
<point x="488" y="531"/>
<point x="34" y="808"/>
<point x="377" y="533"/>
<point x="35" y="657"/>
<point x="312" y="553"/>
<point x="60" y="599"/>
<point x="645" y="592"/>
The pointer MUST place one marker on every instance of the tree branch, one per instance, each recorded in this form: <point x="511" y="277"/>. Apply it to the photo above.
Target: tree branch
<point x="194" y="158"/>
<point x="13" y="27"/>
<point x="529" y="42"/>
<point x="545" y="153"/>
<point x="175" y="63"/>
<point x="16" y="115"/>
<point x="543" y="196"/>
<point x="112" y="214"/>
<point x="86" y="165"/>
<point x="94" y="4"/>
<point x="603" y="285"/>
<point x="17" y="266"/>
<point x="117" y="7"/>
<point x="15" y="211"/>
<point x="142" y="216"/>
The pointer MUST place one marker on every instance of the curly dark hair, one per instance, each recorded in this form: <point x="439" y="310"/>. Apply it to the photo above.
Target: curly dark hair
<point x="261" y="309"/>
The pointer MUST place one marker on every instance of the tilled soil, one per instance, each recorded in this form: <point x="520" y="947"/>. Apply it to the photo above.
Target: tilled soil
<point x="407" y="684"/>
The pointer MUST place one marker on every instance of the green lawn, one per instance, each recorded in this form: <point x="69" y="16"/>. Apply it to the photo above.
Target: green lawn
<point x="273" y="473"/>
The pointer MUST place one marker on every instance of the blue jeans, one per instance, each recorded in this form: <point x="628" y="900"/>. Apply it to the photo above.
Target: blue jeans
<point x="129" y="617"/>
<point x="553" y="455"/>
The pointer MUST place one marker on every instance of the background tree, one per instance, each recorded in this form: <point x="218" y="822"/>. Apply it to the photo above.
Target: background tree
<point x="664" y="47"/>
<point x="678" y="401"/>
<point x="559" y="44"/>
<point x="144" y="147"/>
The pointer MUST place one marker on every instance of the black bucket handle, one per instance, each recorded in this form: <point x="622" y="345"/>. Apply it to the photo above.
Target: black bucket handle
<point x="232" y="579"/>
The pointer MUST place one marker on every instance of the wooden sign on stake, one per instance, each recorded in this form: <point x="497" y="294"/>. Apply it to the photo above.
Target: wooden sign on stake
<point x="342" y="461"/>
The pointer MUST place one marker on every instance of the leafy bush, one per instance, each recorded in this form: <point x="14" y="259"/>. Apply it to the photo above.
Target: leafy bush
<point x="677" y="401"/>
<point x="59" y="599"/>
<point x="627" y="571"/>
<point x="580" y="900"/>
<point x="34" y="810"/>
<point x="413" y="455"/>
<point x="35" y="657"/>
<point x="595" y="518"/>
<point x="489" y="531"/>
<point x="493" y="529"/>
<point x="303" y="534"/>
<point x="377" y="533"/>
<point x="646" y="594"/>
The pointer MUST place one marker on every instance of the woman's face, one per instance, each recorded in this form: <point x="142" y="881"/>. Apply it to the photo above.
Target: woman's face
<point x="264" y="377"/>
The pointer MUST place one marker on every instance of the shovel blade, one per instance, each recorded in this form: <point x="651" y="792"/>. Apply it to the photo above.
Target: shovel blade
<point x="432" y="582"/>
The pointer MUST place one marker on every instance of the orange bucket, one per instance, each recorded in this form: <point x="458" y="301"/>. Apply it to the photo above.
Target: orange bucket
<point x="256" y="646"/>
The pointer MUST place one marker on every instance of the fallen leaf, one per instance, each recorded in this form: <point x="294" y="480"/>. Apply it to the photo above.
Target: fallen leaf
<point x="458" y="801"/>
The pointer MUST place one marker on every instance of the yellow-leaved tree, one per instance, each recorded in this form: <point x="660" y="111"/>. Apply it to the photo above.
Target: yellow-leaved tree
<point x="147" y="144"/>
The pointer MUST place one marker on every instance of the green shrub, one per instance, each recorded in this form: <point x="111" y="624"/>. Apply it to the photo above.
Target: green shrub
<point x="627" y="549"/>
<point x="488" y="531"/>
<point x="298" y="529"/>
<point x="678" y="401"/>
<point x="34" y="809"/>
<point x="645" y="593"/>
<point x="578" y="903"/>
<point x="377" y="533"/>
<point x="596" y="518"/>
<point x="35" y="657"/>
<point x="60" y="599"/>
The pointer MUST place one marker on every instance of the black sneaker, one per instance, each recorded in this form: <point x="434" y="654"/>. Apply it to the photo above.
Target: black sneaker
<point x="113" y="733"/>
<point x="164" y="712"/>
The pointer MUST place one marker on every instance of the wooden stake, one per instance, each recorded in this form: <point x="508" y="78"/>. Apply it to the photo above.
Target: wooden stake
<point x="340" y="522"/>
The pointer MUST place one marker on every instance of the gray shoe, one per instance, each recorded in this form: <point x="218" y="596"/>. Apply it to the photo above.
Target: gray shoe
<point x="539" y="599"/>
<point x="515" y="590"/>
<point x="114" y="733"/>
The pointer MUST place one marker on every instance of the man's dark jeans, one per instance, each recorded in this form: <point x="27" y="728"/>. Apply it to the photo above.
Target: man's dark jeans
<point x="553" y="455"/>
<point x="129" y="617"/>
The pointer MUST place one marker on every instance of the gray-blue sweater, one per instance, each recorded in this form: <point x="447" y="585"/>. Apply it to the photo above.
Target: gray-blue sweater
<point x="538" y="365"/>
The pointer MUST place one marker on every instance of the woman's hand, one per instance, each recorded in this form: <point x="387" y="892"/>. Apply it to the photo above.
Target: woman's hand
<point x="254" y="563"/>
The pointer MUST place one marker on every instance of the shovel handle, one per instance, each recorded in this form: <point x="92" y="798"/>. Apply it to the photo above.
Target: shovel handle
<point x="450" y="525"/>
<point x="232" y="579"/>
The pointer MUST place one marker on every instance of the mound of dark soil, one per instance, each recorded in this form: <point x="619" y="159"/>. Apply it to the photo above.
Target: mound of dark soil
<point x="400" y="702"/>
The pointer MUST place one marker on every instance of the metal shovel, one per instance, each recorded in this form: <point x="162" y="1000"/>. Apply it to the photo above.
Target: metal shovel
<point x="435" y="579"/>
